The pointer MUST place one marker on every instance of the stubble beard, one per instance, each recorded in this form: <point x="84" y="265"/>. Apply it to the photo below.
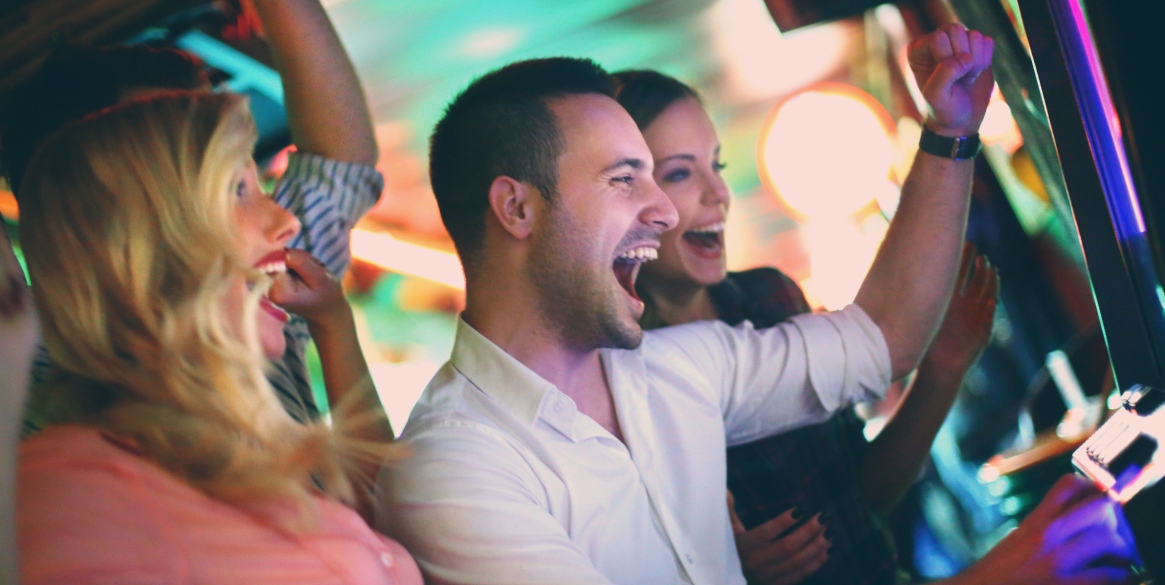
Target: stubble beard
<point x="572" y="300"/>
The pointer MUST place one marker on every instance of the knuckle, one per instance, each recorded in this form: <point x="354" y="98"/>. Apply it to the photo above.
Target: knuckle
<point x="782" y="549"/>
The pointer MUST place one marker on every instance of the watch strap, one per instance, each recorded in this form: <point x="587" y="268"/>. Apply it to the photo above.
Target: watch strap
<point x="957" y="147"/>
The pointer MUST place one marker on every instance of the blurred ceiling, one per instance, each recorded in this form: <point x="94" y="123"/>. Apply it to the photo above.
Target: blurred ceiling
<point x="414" y="57"/>
<point x="29" y="28"/>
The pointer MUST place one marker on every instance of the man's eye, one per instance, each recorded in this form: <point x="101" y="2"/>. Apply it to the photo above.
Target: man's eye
<point x="625" y="179"/>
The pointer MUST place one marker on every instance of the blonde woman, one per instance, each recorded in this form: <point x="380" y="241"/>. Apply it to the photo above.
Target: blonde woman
<point x="330" y="183"/>
<point x="168" y="457"/>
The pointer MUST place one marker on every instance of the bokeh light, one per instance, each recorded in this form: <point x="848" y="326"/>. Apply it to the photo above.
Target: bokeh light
<point x="760" y="62"/>
<point x="385" y="251"/>
<point x="827" y="155"/>
<point x="826" y="151"/>
<point x="999" y="127"/>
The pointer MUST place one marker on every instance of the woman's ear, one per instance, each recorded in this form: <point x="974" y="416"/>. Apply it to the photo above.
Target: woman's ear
<point x="510" y="202"/>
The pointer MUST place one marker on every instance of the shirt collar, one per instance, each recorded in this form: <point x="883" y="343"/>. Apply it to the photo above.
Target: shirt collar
<point x="522" y="392"/>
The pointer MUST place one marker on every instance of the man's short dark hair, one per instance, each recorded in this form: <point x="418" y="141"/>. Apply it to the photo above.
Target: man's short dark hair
<point x="76" y="81"/>
<point x="502" y="125"/>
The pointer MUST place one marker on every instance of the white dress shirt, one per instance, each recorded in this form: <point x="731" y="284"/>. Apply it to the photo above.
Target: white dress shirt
<point x="510" y="484"/>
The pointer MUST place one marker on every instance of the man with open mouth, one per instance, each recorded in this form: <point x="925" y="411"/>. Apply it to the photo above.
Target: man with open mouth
<point x="561" y="443"/>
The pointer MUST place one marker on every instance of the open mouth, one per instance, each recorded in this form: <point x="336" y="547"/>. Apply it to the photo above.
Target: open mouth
<point x="708" y="241"/>
<point x="272" y="265"/>
<point x="627" y="264"/>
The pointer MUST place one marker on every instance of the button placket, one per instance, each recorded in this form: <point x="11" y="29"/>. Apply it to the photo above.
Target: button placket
<point x="645" y="463"/>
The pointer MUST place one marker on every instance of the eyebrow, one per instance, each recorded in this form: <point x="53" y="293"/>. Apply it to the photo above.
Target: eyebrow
<point x="687" y="157"/>
<point x="634" y="163"/>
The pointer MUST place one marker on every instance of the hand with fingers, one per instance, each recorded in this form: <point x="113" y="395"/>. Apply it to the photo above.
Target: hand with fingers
<point x="1071" y="538"/>
<point x="953" y="69"/>
<point x="966" y="329"/>
<point x="309" y="290"/>
<point x="779" y="552"/>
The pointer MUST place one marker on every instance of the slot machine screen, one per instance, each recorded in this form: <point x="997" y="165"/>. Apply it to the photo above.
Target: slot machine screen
<point x="1083" y="61"/>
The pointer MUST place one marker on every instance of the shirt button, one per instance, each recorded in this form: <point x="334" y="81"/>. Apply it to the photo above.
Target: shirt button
<point x="386" y="559"/>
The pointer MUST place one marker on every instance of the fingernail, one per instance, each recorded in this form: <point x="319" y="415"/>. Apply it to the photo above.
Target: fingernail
<point x="823" y="518"/>
<point x="797" y="514"/>
<point x="828" y="534"/>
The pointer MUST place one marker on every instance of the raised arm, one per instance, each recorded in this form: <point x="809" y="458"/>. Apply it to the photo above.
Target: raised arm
<point x="329" y="186"/>
<point x="326" y="108"/>
<point x="309" y="290"/>
<point x="892" y="460"/>
<point x="913" y="274"/>
<point x="19" y="333"/>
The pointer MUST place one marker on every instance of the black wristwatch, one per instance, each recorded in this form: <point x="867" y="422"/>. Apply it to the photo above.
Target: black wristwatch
<point x="958" y="148"/>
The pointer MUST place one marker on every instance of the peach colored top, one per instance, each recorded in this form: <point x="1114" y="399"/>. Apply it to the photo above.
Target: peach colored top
<point x="91" y="511"/>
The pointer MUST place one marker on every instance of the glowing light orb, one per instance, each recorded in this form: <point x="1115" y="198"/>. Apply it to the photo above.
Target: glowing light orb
<point x="999" y="127"/>
<point x="826" y="151"/>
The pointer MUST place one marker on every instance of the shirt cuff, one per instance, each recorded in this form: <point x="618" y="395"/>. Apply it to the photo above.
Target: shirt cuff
<point x="356" y="187"/>
<point x="849" y="360"/>
<point x="328" y="197"/>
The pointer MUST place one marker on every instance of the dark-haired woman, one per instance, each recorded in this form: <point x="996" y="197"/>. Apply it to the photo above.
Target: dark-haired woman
<point x="807" y="503"/>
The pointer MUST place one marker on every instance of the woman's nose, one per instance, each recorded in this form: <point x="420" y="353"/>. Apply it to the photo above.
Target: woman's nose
<point x="282" y="225"/>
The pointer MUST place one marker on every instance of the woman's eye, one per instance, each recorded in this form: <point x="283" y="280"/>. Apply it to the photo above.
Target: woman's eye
<point x="677" y="175"/>
<point x="241" y="189"/>
<point x="719" y="166"/>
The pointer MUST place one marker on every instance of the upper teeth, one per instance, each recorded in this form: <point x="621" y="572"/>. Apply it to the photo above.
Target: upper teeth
<point x="710" y="229"/>
<point x="642" y="253"/>
<point x="274" y="267"/>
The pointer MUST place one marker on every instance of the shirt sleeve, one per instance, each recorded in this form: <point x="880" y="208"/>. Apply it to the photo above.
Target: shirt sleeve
<point x="471" y="511"/>
<point x="74" y="528"/>
<point x="328" y="197"/>
<point x="797" y="373"/>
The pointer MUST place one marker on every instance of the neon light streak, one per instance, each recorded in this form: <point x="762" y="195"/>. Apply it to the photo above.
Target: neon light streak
<point x="1080" y="29"/>
<point x="392" y="254"/>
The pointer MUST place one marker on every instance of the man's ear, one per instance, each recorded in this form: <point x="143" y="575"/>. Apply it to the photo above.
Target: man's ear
<point x="510" y="201"/>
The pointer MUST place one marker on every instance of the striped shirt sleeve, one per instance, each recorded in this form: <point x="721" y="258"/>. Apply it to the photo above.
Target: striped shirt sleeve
<point x="328" y="197"/>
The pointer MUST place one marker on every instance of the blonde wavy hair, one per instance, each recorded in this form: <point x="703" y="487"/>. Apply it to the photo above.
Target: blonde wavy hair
<point x="128" y="222"/>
